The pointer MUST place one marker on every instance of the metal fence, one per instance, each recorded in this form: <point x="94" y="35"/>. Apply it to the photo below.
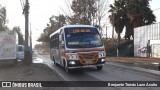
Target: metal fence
<point x="155" y="50"/>
<point x="142" y="37"/>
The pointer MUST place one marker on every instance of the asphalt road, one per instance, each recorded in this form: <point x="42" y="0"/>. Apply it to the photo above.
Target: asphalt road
<point x="108" y="73"/>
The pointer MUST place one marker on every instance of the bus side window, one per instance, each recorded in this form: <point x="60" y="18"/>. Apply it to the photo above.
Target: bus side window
<point x="52" y="42"/>
<point x="57" y="40"/>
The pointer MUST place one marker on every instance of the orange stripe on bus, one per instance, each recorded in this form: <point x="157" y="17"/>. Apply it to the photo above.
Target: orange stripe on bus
<point x="85" y="49"/>
<point x="64" y="54"/>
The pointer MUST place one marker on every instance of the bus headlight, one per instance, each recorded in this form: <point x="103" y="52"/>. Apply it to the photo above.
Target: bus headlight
<point x="72" y="57"/>
<point x="103" y="60"/>
<point x="72" y="62"/>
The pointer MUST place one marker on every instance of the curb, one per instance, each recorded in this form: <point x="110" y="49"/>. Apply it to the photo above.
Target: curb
<point x="58" y="74"/>
<point x="153" y="72"/>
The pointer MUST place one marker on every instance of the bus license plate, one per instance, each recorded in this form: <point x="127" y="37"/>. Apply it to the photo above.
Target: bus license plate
<point x="89" y="62"/>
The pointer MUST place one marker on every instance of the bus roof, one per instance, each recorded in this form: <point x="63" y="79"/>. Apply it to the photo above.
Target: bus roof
<point x="71" y="26"/>
<point x="21" y="45"/>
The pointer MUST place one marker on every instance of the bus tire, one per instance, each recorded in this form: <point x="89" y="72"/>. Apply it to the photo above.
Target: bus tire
<point x="54" y="61"/>
<point x="66" y="67"/>
<point x="99" y="67"/>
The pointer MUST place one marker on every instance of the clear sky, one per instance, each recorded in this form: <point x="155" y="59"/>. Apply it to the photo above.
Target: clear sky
<point x="41" y="10"/>
<point x="155" y="4"/>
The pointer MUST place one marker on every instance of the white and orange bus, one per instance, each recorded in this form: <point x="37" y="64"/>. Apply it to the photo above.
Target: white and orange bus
<point x="77" y="46"/>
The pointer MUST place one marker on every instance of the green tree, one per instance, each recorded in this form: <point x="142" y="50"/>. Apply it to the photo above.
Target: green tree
<point x="117" y="17"/>
<point x="139" y="14"/>
<point x="20" y="35"/>
<point x="55" y="23"/>
<point x="43" y="38"/>
<point x="133" y="13"/>
<point x="87" y="12"/>
<point x="2" y="18"/>
<point x="84" y="11"/>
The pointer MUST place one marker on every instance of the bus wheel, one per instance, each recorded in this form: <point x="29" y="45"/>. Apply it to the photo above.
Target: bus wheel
<point x="66" y="67"/>
<point x="54" y="61"/>
<point x="99" y="67"/>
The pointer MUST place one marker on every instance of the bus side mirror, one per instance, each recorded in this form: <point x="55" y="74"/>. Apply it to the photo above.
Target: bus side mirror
<point x="60" y="37"/>
<point x="62" y="44"/>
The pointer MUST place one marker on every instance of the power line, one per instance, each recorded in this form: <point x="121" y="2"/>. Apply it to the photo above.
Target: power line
<point x="156" y="9"/>
<point x="22" y="4"/>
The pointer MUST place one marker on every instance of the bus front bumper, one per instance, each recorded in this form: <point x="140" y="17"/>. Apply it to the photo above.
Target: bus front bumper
<point x="72" y="64"/>
<point x="74" y="67"/>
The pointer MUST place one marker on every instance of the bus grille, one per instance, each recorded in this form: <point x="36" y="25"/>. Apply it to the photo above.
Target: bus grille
<point x="88" y="58"/>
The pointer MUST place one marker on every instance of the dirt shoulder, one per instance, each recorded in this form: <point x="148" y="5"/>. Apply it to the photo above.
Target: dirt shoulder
<point x="34" y="72"/>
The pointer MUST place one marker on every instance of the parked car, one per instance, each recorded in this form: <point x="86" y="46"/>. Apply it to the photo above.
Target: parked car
<point x="42" y="52"/>
<point x="20" y="52"/>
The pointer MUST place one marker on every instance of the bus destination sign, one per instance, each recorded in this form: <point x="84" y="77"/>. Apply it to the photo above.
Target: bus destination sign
<point x="80" y="30"/>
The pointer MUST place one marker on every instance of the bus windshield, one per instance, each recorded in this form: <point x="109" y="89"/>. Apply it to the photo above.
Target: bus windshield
<point x="82" y="38"/>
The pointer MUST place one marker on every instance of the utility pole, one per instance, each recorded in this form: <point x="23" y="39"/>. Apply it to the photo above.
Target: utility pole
<point x="106" y="32"/>
<point x="27" y="60"/>
<point x="31" y="41"/>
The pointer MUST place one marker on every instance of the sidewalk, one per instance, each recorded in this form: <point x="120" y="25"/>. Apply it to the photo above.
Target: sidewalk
<point x="147" y="63"/>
